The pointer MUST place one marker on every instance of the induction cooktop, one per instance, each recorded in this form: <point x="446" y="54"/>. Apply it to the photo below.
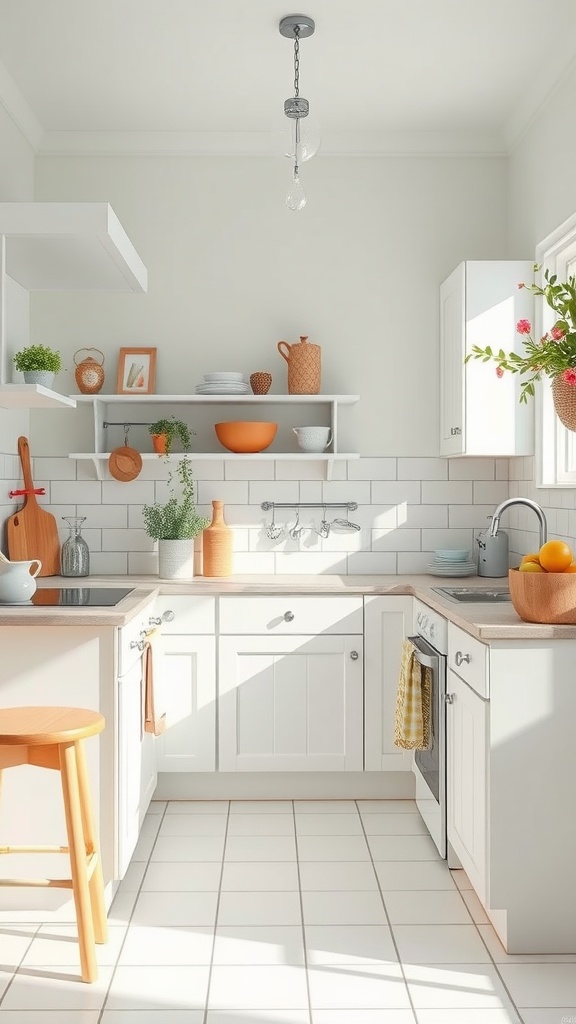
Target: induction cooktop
<point x="94" y="597"/>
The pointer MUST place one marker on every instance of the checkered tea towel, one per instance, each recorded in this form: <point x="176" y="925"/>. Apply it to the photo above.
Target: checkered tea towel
<point x="412" y="723"/>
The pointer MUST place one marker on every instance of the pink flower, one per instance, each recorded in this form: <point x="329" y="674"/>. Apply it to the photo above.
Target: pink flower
<point x="521" y="284"/>
<point x="557" y="333"/>
<point x="569" y="376"/>
<point x="499" y="371"/>
<point x="523" y="327"/>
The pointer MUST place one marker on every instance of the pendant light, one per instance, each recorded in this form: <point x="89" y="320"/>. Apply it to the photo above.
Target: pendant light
<point x="300" y="137"/>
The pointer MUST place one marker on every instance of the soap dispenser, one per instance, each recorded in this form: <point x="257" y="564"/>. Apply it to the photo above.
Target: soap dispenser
<point x="493" y="553"/>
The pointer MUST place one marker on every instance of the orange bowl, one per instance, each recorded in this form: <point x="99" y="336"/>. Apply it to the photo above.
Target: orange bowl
<point x="544" y="596"/>
<point x="245" y="436"/>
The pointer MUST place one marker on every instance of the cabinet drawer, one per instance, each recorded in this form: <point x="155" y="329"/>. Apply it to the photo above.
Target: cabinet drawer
<point x="273" y="615"/>
<point x="191" y="614"/>
<point x="129" y="634"/>
<point x="468" y="658"/>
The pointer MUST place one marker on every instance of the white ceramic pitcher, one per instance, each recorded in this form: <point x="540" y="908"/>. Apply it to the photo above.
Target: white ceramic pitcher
<point x="17" y="582"/>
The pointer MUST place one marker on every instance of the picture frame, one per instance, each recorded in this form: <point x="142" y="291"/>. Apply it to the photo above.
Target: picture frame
<point x="136" y="371"/>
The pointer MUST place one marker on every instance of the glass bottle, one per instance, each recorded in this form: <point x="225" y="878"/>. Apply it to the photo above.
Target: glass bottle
<point x="75" y="556"/>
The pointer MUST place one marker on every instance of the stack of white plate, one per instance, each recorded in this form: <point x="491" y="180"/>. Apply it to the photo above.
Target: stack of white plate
<point x="224" y="383"/>
<point x="452" y="562"/>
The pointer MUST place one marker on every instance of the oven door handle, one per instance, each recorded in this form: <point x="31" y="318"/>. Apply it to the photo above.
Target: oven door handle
<point x="426" y="660"/>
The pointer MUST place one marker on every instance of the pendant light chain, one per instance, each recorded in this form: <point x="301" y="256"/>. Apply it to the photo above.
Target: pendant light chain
<point x="296" y="61"/>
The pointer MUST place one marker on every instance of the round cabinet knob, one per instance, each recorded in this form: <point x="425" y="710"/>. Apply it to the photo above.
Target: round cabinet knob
<point x="459" y="658"/>
<point x="448" y="698"/>
<point x="168" y="615"/>
<point x="354" y="655"/>
<point x="288" y="616"/>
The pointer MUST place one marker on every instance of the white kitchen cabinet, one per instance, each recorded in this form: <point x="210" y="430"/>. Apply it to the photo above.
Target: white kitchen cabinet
<point x="290" y="703"/>
<point x="467" y="780"/>
<point x="188" y="743"/>
<point x="387" y="621"/>
<point x="136" y="764"/>
<point x="480" y="414"/>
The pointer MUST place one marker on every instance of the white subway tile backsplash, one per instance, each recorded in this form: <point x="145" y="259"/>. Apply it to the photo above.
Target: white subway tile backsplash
<point x="74" y="492"/>
<point x="136" y="492"/>
<point x="296" y="469"/>
<point x="414" y="561"/>
<point x="259" y="562"/>
<point x="143" y="563"/>
<point x="251" y="470"/>
<point x="502" y="467"/>
<point x="311" y="490"/>
<point x="446" y="492"/>
<point x="370" y="563"/>
<point x="416" y="516"/>
<point x="233" y="492"/>
<point x="339" y="541"/>
<point x="396" y="540"/>
<point x="469" y="516"/>
<point x="114" y="563"/>
<point x="113" y="516"/>
<point x="448" y="539"/>
<point x="273" y="490"/>
<point x="422" y="469"/>
<point x="486" y="492"/>
<point x="373" y="469"/>
<point x="396" y="492"/>
<point x="213" y="469"/>
<point x="126" y="540"/>
<point x="53" y="468"/>
<point x="346" y="490"/>
<point x="471" y="469"/>
<point x="314" y="562"/>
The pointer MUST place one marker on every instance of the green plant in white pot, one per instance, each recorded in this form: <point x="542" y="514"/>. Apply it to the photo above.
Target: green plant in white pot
<point x="175" y="523"/>
<point x="39" y="364"/>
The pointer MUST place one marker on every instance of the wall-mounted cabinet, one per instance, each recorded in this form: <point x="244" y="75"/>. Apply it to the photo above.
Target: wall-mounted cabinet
<point x="56" y="247"/>
<point x="480" y="413"/>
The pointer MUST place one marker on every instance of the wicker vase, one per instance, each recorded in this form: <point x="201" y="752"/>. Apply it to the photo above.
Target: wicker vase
<point x="217" y="544"/>
<point x="176" y="559"/>
<point x="564" y="397"/>
<point x="304" y="366"/>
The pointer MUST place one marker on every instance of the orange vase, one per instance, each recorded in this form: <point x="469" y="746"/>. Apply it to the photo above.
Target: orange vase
<point x="217" y="543"/>
<point x="160" y="443"/>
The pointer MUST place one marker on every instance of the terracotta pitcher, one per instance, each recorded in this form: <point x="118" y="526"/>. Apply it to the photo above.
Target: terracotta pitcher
<point x="303" y="366"/>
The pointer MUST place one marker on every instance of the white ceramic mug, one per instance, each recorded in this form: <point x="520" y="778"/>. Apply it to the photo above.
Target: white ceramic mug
<point x="313" y="439"/>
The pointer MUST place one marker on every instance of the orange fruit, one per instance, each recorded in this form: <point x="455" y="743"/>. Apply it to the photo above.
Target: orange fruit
<point x="530" y="558"/>
<point x="571" y="567"/>
<point x="531" y="567"/>
<point x="555" y="556"/>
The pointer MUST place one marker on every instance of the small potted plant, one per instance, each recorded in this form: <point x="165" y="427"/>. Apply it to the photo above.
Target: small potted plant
<point x="175" y="523"/>
<point x="39" y="364"/>
<point x="164" y="431"/>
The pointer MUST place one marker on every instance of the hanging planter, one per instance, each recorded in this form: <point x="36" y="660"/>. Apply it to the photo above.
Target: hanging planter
<point x="564" y="398"/>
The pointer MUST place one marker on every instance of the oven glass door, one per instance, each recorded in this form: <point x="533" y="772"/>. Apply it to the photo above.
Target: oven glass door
<point x="430" y="764"/>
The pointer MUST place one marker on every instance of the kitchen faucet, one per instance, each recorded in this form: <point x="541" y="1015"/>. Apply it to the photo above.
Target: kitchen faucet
<point x="520" y="501"/>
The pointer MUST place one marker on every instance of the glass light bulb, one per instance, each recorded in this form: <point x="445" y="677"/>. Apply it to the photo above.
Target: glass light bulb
<point x="296" y="197"/>
<point x="297" y="138"/>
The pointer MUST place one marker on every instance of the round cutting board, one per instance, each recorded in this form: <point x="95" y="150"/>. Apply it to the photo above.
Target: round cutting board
<point x="125" y="463"/>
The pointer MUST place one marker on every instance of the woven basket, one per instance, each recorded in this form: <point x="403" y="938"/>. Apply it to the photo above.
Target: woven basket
<point x="564" y="396"/>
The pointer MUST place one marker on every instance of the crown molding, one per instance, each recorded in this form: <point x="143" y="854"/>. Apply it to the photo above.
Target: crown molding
<point x="18" y="109"/>
<point x="546" y="82"/>
<point x="353" y="144"/>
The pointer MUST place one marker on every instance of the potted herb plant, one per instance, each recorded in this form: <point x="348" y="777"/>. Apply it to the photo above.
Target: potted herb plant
<point x="39" y="364"/>
<point x="175" y="523"/>
<point x="164" y="431"/>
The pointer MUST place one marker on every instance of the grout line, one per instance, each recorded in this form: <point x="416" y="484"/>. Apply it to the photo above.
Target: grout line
<point x="304" y="943"/>
<point x="205" y="1017"/>
<point x="16" y="969"/>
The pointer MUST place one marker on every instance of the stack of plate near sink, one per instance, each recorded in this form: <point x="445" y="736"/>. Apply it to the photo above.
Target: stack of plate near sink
<point x="452" y="562"/>
<point x="224" y="383"/>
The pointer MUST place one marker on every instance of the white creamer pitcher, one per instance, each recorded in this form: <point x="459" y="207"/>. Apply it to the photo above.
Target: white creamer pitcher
<point x="17" y="582"/>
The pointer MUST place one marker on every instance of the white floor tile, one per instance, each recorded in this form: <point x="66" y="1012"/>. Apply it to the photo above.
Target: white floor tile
<point x="475" y="908"/>
<point x="250" y="987"/>
<point x="5" y="978"/>
<point x="439" y="944"/>
<point x="386" y="807"/>
<point x="394" y="825"/>
<point x="133" y="878"/>
<point x="260" y="848"/>
<point x="363" y="1017"/>
<point x="402" y="848"/>
<point x="328" y="825"/>
<point x="273" y="944"/>
<point x="261" y="807"/>
<point x="150" y="825"/>
<point x="144" y="848"/>
<point x="259" y="908"/>
<point x="414" y="874"/>
<point x="14" y="941"/>
<point x="258" y="1017"/>
<point x="185" y="876"/>
<point x="461" y="878"/>
<point x="456" y="986"/>
<point x="473" y="1015"/>
<point x="149" y="1017"/>
<point x="198" y="807"/>
<point x="332" y="848"/>
<point x="157" y="807"/>
<point x="49" y="1017"/>
<point x="58" y="945"/>
<point x="176" y="908"/>
<point x="48" y="988"/>
<point x="123" y="904"/>
<point x="261" y="825"/>
<point x="352" y="876"/>
<point x="194" y="825"/>
<point x="161" y="946"/>
<point x="350" y="944"/>
<point x="541" y="984"/>
<point x="357" y="987"/>
<point x="325" y="807"/>
<point x="343" y="908"/>
<point x="500" y="956"/>
<point x="171" y="848"/>
<point x="548" y="1015"/>
<point x="158" y="988"/>
<point x="245" y="876"/>
<point x="426" y="907"/>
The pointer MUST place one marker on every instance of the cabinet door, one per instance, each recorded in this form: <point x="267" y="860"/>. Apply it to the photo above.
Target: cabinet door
<point x="290" y="703"/>
<point x="188" y="694"/>
<point x="452" y="334"/>
<point x="387" y="621"/>
<point x="467" y="782"/>
<point x="136" y="764"/>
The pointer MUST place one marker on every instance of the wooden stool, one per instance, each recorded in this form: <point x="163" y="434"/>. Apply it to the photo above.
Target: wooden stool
<point x="52" y="738"/>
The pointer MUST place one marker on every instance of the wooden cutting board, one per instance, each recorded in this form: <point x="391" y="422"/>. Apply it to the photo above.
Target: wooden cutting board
<point x="32" y="532"/>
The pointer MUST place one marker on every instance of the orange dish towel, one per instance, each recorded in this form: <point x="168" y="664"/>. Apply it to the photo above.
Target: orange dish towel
<point x="153" y="722"/>
<point x="412" y="723"/>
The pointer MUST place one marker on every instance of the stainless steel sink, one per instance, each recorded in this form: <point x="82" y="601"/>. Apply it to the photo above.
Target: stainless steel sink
<point x="474" y="595"/>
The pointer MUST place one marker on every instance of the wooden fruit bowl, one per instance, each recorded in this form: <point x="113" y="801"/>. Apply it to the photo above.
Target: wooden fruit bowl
<point x="544" y="596"/>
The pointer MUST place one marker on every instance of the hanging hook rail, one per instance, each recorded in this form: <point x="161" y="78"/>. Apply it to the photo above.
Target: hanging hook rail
<point x="350" y="505"/>
<point x="126" y="423"/>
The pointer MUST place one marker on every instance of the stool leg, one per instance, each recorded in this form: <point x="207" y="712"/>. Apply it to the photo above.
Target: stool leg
<point x="96" y="883"/>
<point x="71" y="795"/>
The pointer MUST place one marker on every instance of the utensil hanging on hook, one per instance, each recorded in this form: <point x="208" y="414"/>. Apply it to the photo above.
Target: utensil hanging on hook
<point x="345" y="524"/>
<point x="274" y="532"/>
<point x="125" y="463"/>
<point x="324" y="529"/>
<point x="297" y="528"/>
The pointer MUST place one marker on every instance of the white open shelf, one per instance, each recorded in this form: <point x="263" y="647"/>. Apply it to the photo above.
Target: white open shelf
<point x="33" y="396"/>
<point x="221" y="399"/>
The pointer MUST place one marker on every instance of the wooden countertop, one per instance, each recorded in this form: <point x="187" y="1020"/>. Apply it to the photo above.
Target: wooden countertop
<point x="485" y="621"/>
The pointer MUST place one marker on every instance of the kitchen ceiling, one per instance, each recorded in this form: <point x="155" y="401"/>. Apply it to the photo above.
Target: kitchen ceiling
<point x="80" y="74"/>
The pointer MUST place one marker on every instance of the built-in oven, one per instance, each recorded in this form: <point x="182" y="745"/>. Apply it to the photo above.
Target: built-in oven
<point x="430" y="643"/>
